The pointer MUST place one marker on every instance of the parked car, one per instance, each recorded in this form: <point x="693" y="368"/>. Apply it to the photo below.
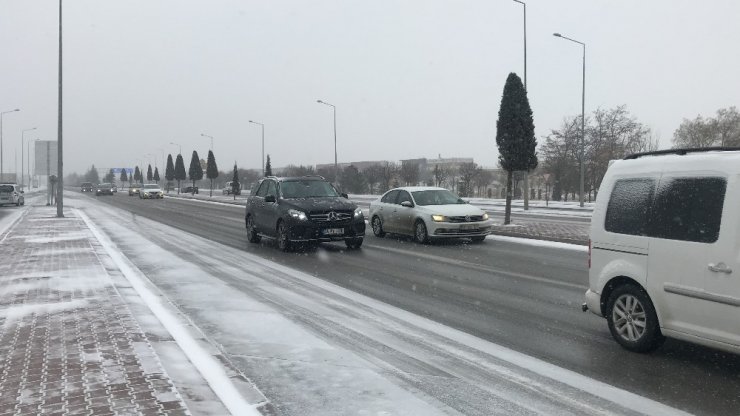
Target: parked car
<point x="427" y="213"/>
<point x="302" y="210"/>
<point x="229" y="188"/>
<point x="189" y="190"/>
<point x="151" y="191"/>
<point x="10" y="193"/>
<point x="104" y="189"/>
<point x="663" y="250"/>
<point x="86" y="187"/>
<point x="134" y="189"/>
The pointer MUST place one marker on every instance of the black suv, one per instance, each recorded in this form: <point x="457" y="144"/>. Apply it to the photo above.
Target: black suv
<point x="86" y="187"/>
<point x="302" y="210"/>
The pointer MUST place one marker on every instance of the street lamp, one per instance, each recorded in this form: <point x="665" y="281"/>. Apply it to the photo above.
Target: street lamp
<point x="336" y="169"/>
<point x="23" y="133"/>
<point x="1" y="138"/>
<point x="28" y="151"/>
<point x="263" y="145"/>
<point x="583" y="114"/>
<point x="210" y="137"/>
<point x="176" y="144"/>
<point x="526" y="174"/>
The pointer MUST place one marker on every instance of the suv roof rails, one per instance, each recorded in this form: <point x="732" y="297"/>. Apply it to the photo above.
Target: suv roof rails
<point x="682" y="152"/>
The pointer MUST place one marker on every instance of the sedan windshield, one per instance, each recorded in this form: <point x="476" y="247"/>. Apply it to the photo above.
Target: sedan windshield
<point x="436" y="197"/>
<point x="307" y="189"/>
<point x="152" y="186"/>
<point x="104" y="185"/>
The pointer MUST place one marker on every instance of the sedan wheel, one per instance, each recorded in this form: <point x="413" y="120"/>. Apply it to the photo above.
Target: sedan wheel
<point x="282" y="237"/>
<point x="252" y="235"/>
<point x="632" y="319"/>
<point x="378" y="227"/>
<point x="420" y="232"/>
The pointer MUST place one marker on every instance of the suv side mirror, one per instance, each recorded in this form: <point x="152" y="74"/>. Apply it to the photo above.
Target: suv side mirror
<point x="270" y="198"/>
<point x="407" y="204"/>
<point x="345" y="196"/>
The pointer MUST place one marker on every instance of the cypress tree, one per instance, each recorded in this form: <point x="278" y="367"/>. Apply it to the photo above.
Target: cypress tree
<point x="169" y="172"/>
<point x="124" y="176"/>
<point x="211" y="169"/>
<point x="196" y="170"/>
<point x="156" y="175"/>
<point x="180" y="174"/>
<point x="515" y="134"/>
<point x="268" y="167"/>
<point x="137" y="174"/>
<point x="149" y="174"/>
<point x="235" y="181"/>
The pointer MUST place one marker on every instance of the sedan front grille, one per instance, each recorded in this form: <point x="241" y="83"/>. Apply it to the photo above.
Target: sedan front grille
<point x="468" y="218"/>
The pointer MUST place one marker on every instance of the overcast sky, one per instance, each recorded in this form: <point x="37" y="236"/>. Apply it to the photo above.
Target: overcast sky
<point x="409" y="78"/>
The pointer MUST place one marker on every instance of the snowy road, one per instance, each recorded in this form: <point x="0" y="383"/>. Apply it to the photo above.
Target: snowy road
<point x="318" y="349"/>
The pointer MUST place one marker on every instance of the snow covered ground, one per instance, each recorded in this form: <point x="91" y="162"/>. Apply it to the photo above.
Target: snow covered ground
<point x="313" y="348"/>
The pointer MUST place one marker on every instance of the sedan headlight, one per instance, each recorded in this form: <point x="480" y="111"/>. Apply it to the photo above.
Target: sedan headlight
<point x="299" y="215"/>
<point x="358" y="213"/>
<point x="439" y="218"/>
<point x="485" y="216"/>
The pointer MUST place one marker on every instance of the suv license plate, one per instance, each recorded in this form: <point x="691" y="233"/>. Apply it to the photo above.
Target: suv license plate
<point x="334" y="231"/>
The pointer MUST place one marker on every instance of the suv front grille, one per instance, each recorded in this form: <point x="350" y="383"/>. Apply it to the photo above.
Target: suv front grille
<point x="470" y="218"/>
<point x="331" y="216"/>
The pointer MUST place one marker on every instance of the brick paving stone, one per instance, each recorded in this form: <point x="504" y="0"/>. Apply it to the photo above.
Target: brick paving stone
<point x="545" y="230"/>
<point x="69" y="345"/>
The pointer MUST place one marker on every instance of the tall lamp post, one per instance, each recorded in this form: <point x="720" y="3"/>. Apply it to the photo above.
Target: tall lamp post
<point x="583" y="115"/>
<point x="23" y="133"/>
<point x="263" y="144"/>
<point x="526" y="174"/>
<point x="210" y="137"/>
<point x="179" y="145"/>
<point x="1" y="138"/>
<point x="28" y="152"/>
<point x="336" y="169"/>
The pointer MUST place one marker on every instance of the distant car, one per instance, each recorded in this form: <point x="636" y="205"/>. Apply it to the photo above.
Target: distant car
<point x="115" y="189"/>
<point x="302" y="210"/>
<point x="134" y="189"/>
<point x="11" y="194"/>
<point x="86" y="187"/>
<point x="189" y="190"/>
<point x="427" y="213"/>
<point x="104" y="189"/>
<point x="229" y="188"/>
<point x="151" y="191"/>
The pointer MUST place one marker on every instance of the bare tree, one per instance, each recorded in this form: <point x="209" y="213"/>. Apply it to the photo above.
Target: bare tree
<point x="409" y="172"/>
<point x="724" y="130"/>
<point x="467" y="172"/>
<point x="373" y="175"/>
<point x="389" y="170"/>
<point x="440" y="175"/>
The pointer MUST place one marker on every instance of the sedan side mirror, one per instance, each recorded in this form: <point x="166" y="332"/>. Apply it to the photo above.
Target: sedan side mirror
<point x="345" y="196"/>
<point x="407" y="204"/>
<point x="270" y="198"/>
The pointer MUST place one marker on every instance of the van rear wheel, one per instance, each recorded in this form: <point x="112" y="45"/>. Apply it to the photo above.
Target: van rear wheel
<point x="632" y="319"/>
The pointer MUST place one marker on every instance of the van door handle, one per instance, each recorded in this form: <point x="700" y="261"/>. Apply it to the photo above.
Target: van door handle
<point x="719" y="268"/>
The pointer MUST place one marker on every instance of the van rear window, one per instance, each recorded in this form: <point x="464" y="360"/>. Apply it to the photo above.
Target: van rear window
<point x="688" y="209"/>
<point x="629" y="204"/>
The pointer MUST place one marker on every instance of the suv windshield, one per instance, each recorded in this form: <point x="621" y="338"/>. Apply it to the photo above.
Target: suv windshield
<point x="6" y="188"/>
<point x="307" y="189"/>
<point x="104" y="185"/>
<point x="436" y="197"/>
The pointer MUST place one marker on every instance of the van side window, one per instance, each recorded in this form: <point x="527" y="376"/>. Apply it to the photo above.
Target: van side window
<point x="629" y="204"/>
<point x="689" y="209"/>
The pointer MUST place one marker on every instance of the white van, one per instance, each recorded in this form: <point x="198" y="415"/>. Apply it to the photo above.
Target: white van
<point x="664" y="250"/>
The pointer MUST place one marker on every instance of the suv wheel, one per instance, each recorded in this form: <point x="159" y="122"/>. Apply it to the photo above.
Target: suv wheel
<point x="632" y="319"/>
<point x="282" y="237"/>
<point x="354" y="243"/>
<point x="378" y="227"/>
<point x="420" y="232"/>
<point x="252" y="235"/>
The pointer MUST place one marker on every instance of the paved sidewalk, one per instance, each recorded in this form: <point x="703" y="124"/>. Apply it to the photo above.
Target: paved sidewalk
<point x="545" y="230"/>
<point x="69" y="344"/>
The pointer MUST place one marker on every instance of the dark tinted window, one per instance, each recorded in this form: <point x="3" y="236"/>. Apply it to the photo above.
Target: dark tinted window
<point x="629" y="204"/>
<point x="688" y="209"/>
<point x="404" y="197"/>
<point x="390" y="197"/>
<point x="307" y="189"/>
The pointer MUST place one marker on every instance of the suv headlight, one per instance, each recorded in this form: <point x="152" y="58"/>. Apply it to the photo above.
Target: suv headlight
<point x="485" y="216"/>
<point x="358" y="213"/>
<point x="299" y="215"/>
<point x="439" y="218"/>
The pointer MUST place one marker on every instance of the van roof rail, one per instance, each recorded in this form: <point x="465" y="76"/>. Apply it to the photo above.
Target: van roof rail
<point x="682" y="152"/>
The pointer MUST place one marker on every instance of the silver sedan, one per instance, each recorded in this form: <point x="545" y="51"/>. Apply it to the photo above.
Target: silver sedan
<point x="427" y="213"/>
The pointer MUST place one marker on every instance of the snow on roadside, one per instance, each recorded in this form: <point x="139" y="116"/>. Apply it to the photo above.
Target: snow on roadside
<point x="211" y="370"/>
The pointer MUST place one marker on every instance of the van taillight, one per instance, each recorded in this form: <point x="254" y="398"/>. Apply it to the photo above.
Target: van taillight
<point x="589" y="253"/>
